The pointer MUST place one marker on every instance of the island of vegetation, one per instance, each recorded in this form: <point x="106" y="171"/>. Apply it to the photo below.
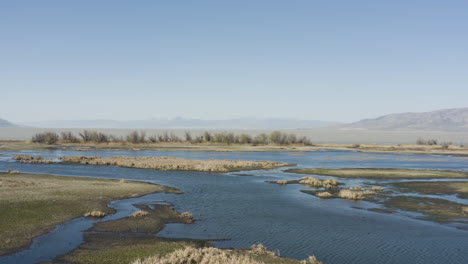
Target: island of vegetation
<point x="382" y="173"/>
<point x="161" y="163"/>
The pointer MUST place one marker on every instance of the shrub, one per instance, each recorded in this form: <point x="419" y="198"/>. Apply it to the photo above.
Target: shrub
<point x="139" y="213"/>
<point x="324" y="194"/>
<point x="136" y="137"/>
<point x="188" y="136"/>
<point x="186" y="215"/>
<point x="430" y="142"/>
<point x="260" y="249"/>
<point x="261" y="139"/>
<point x="46" y="137"/>
<point x="445" y="145"/>
<point x="95" y="213"/>
<point x="69" y="136"/>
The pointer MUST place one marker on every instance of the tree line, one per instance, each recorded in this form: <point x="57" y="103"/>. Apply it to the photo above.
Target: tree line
<point x="136" y="137"/>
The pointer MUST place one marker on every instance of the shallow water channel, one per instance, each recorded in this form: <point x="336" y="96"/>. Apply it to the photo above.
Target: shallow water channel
<point x="246" y="210"/>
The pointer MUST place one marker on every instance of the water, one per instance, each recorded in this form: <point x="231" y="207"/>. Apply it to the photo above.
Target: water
<point x="246" y="210"/>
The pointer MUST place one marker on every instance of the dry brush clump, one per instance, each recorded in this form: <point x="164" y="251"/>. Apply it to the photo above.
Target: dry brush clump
<point x="12" y="171"/>
<point x="317" y="183"/>
<point x="210" y="255"/>
<point x="324" y="195"/>
<point x="49" y="138"/>
<point x="186" y="215"/>
<point x="260" y="249"/>
<point x="31" y="159"/>
<point x="190" y="255"/>
<point x="171" y="163"/>
<point x="357" y="192"/>
<point x="95" y="213"/>
<point x="139" y="213"/>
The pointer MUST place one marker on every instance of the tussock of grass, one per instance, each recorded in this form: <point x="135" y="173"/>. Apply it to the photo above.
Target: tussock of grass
<point x="139" y="213"/>
<point x="32" y="159"/>
<point x="282" y="182"/>
<point x="95" y="213"/>
<point x="190" y="255"/>
<point x="12" y="171"/>
<point x="187" y="216"/>
<point x="324" y="195"/>
<point x="260" y="249"/>
<point x="316" y="183"/>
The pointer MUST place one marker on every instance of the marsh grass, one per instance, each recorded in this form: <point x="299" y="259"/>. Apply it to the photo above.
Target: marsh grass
<point x="439" y="210"/>
<point x="172" y="163"/>
<point x="209" y="255"/>
<point x="379" y="173"/>
<point x="32" y="205"/>
<point x="459" y="188"/>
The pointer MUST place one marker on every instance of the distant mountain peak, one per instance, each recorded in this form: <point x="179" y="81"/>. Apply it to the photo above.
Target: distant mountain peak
<point x="5" y="123"/>
<point x="454" y="119"/>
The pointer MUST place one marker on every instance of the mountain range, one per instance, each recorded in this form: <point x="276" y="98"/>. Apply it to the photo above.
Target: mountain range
<point x="179" y="122"/>
<point x="5" y="123"/>
<point x="455" y="120"/>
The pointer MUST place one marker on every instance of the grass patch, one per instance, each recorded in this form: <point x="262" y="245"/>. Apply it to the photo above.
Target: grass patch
<point x="435" y="209"/>
<point x="152" y="222"/>
<point x="440" y="187"/>
<point x="32" y="205"/>
<point x="377" y="173"/>
<point x="108" y="248"/>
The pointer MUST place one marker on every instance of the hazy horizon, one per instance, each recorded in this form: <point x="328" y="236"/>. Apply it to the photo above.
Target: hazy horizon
<point x="315" y="60"/>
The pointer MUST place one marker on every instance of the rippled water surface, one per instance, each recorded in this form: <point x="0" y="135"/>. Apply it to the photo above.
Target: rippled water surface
<point x="246" y="210"/>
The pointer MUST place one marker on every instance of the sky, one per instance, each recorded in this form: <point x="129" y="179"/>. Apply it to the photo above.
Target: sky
<point x="322" y="60"/>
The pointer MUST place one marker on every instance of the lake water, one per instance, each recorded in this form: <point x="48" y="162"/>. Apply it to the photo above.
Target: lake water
<point x="246" y="210"/>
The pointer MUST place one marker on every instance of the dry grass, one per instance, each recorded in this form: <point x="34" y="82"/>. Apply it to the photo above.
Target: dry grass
<point x="190" y="255"/>
<point x="317" y="183"/>
<point x="382" y="173"/>
<point x="123" y="181"/>
<point x="12" y="171"/>
<point x="260" y="249"/>
<point x="209" y="255"/>
<point x="139" y="213"/>
<point x="324" y="195"/>
<point x="32" y="205"/>
<point x="435" y="209"/>
<point x="95" y="213"/>
<point x="187" y="215"/>
<point x="459" y="188"/>
<point x="282" y="182"/>
<point x="171" y="163"/>
<point x="32" y="159"/>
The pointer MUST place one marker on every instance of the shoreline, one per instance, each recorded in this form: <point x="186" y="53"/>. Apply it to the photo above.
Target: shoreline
<point x="17" y="145"/>
<point x="34" y="204"/>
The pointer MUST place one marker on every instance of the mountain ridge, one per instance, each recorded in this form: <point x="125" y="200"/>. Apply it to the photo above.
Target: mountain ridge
<point x="179" y="122"/>
<point x="453" y="119"/>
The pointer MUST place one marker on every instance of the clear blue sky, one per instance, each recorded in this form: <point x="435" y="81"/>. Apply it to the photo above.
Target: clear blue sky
<point x="326" y="60"/>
